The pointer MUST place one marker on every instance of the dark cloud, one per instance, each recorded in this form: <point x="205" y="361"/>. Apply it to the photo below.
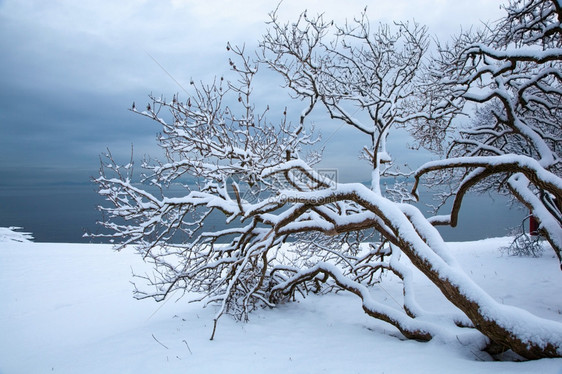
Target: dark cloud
<point x="64" y="99"/>
<point x="70" y="70"/>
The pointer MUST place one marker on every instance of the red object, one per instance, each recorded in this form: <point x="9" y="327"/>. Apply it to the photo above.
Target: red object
<point x="533" y="226"/>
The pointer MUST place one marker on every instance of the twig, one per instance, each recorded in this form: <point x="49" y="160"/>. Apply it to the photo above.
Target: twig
<point x="214" y="328"/>
<point x="187" y="345"/>
<point x="159" y="342"/>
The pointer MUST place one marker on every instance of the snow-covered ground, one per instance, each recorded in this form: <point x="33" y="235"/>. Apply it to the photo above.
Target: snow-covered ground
<point x="68" y="308"/>
<point x="12" y="234"/>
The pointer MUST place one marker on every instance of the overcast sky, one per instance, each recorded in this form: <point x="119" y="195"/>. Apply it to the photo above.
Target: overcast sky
<point x="69" y="70"/>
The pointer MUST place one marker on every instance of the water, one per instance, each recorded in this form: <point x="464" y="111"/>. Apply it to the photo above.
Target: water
<point x="52" y="213"/>
<point x="65" y="213"/>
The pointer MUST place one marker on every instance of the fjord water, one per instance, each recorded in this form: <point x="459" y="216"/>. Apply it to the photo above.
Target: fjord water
<point x="63" y="213"/>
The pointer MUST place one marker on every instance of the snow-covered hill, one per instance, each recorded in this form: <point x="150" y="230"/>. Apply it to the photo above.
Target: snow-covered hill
<point x="68" y="308"/>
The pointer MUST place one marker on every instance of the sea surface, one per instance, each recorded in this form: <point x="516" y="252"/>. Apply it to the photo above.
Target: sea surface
<point x="64" y="213"/>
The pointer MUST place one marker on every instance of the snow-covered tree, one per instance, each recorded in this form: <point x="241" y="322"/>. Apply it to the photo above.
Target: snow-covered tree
<point x="290" y="229"/>
<point x="371" y="80"/>
<point x="512" y="74"/>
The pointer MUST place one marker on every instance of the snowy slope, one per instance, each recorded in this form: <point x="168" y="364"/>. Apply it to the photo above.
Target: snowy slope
<point x="11" y="234"/>
<point x="67" y="308"/>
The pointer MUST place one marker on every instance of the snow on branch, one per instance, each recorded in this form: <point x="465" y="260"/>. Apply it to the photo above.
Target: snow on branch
<point x="287" y="229"/>
<point x="512" y="73"/>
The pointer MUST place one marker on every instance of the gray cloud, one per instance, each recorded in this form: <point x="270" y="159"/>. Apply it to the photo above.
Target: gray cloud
<point x="71" y="69"/>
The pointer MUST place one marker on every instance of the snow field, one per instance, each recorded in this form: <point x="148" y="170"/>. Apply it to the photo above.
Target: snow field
<point x="68" y="308"/>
